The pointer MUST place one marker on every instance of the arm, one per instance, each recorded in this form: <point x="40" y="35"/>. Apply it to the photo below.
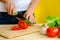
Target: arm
<point x="32" y="6"/>
<point x="30" y="10"/>
<point x="3" y="1"/>
<point x="9" y="6"/>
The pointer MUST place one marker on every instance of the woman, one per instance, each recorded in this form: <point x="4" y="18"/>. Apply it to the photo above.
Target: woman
<point x="24" y="8"/>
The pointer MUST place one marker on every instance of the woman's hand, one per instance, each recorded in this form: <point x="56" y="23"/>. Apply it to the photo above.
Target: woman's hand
<point x="29" y="16"/>
<point x="10" y="7"/>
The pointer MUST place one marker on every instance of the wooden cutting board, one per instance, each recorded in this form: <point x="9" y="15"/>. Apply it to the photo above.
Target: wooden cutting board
<point x="5" y="31"/>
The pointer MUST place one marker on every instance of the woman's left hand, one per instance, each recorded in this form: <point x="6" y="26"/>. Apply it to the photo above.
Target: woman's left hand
<point x="29" y="16"/>
<point x="10" y="7"/>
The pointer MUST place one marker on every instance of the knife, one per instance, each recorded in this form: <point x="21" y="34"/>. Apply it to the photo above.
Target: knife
<point x="22" y="18"/>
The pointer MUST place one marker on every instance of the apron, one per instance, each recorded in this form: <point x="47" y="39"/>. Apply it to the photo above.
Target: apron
<point x="5" y="18"/>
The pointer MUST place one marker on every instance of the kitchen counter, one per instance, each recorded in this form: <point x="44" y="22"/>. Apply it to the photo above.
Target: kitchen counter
<point x="33" y="36"/>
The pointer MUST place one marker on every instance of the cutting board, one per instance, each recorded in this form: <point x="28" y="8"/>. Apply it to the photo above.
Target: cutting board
<point x="5" y="31"/>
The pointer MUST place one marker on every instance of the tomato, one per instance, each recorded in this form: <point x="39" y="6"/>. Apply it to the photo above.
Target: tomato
<point x="59" y="34"/>
<point x="22" y="24"/>
<point x="59" y="31"/>
<point x="16" y="28"/>
<point x="52" y="32"/>
<point x="59" y="28"/>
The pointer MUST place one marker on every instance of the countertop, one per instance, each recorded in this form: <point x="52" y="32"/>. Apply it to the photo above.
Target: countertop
<point x="33" y="36"/>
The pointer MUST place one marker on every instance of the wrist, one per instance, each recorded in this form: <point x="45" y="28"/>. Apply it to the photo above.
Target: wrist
<point x="8" y="1"/>
<point x="3" y="1"/>
<point x="31" y="12"/>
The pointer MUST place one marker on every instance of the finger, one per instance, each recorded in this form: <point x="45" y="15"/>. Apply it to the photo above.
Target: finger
<point x="14" y="10"/>
<point x="24" y="15"/>
<point x="27" y="16"/>
<point x="33" y="18"/>
<point x="11" y="10"/>
<point x="7" y="8"/>
<point x="30" y="18"/>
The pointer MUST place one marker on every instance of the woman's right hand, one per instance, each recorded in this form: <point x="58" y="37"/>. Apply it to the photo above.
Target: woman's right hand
<point x="10" y="7"/>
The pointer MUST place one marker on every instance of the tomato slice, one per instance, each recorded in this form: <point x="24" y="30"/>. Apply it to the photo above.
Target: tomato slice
<point x="16" y="28"/>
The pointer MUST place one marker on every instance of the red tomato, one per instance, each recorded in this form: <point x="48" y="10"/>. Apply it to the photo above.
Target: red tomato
<point x="52" y="32"/>
<point x="16" y="28"/>
<point x="59" y="28"/>
<point x="22" y="24"/>
<point x="59" y="34"/>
